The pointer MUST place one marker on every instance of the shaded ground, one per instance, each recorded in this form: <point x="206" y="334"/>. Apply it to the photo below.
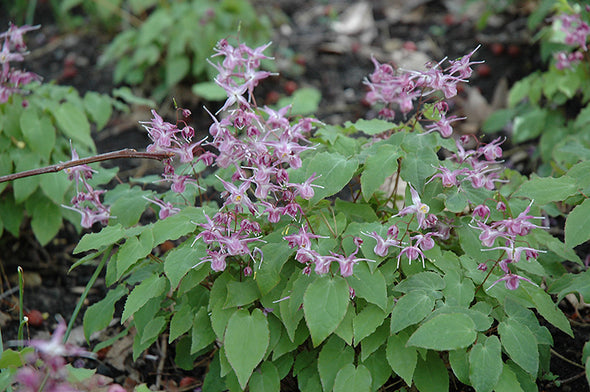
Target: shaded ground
<point x="312" y="51"/>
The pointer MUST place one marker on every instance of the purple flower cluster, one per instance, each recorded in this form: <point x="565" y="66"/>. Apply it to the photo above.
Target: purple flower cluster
<point x="170" y="138"/>
<point x="576" y="35"/>
<point x="87" y="199"/>
<point x="419" y="242"/>
<point x="388" y="87"/>
<point x="509" y="230"/>
<point x="308" y="256"/>
<point x="476" y="166"/>
<point x="45" y="369"/>
<point x="13" y="50"/>
<point x="260" y="145"/>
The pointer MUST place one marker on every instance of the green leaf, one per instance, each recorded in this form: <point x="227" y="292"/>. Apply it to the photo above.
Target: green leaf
<point x="520" y="344"/>
<point x="371" y="127"/>
<point x="411" y="309"/>
<point x="134" y="249"/>
<point x="150" y="288"/>
<point x="141" y="319"/>
<point x="107" y="236"/>
<point x="127" y="203"/>
<point x="210" y="91"/>
<point x="202" y="333"/>
<point x="73" y="122"/>
<point x="375" y="341"/>
<point x="344" y="330"/>
<point x="379" y="368"/>
<point x="181" y="259"/>
<point x="377" y="168"/>
<point x="335" y="354"/>
<point x="176" y="68"/>
<point x="369" y="286"/>
<point x="176" y="226"/>
<point x="448" y="331"/>
<point x="276" y="254"/>
<point x="34" y="134"/>
<point x="99" y="107"/>
<point x="498" y="120"/>
<point x="99" y="315"/>
<point x="485" y="363"/>
<point x="457" y="291"/>
<point x="548" y="309"/>
<point x="24" y="187"/>
<point x="219" y="315"/>
<point x="11" y="213"/>
<point x="241" y="293"/>
<point x="529" y="125"/>
<point x="482" y="321"/>
<point x="579" y="284"/>
<point x="181" y="321"/>
<point x="265" y="379"/>
<point x="457" y="201"/>
<point x="127" y="95"/>
<point x="355" y="212"/>
<point x="547" y="189"/>
<point x="367" y="321"/>
<point x="427" y="281"/>
<point x="305" y="101"/>
<point x="246" y="339"/>
<point x="350" y="378"/>
<point x="400" y="357"/>
<point x="334" y="171"/>
<point x="555" y="246"/>
<point x="153" y="329"/>
<point x="508" y="381"/>
<point x="577" y="225"/>
<point x="526" y="317"/>
<point x="431" y="375"/>
<point x="46" y="221"/>
<point x="324" y="306"/>
<point x="459" y="361"/>
<point x="54" y="186"/>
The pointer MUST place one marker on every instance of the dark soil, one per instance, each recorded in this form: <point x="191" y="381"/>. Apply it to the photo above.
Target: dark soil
<point x="311" y="54"/>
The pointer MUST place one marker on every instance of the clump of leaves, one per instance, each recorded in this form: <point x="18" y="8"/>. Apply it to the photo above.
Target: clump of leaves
<point x="552" y="106"/>
<point x="307" y="267"/>
<point x="37" y="123"/>
<point x="175" y="40"/>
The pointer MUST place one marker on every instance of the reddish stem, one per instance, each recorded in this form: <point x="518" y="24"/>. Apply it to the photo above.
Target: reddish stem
<point x="125" y="153"/>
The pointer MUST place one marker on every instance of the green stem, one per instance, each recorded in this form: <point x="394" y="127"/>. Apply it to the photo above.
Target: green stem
<point x="30" y="12"/>
<point x="21" y="305"/>
<point x="86" y="291"/>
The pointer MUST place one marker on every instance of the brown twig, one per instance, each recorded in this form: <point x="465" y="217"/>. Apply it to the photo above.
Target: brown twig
<point x="125" y="153"/>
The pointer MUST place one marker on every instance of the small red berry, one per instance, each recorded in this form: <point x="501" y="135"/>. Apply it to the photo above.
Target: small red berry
<point x="484" y="70"/>
<point x="410" y="46"/>
<point x="497" y="48"/>
<point x="299" y="59"/>
<point x="449" y="20"/>
<point x="272" y="97"/>
<point x="513" y="50"/>
<point x="290" y="87"/>
<point x="35" y="318"/>
<point x="186" y="381"/>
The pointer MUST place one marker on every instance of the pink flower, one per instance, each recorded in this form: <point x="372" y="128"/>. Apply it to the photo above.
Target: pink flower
<point x="418" y="208"/>
<point x="512" y="281"/>
<point x="166" y="208"/>
<point x="382" y="247"/>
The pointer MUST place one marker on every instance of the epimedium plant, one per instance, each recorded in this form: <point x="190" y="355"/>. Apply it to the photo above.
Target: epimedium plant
<point x="552" y="105"/>
<point x="306" y="267"/>
<point x="163" y="49"/>
<point x="38" y="121"/>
